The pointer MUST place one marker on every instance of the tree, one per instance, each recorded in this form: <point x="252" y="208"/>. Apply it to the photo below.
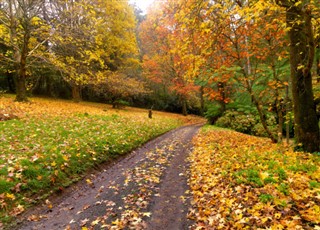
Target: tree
<point x="160" y="64"/>
<point x="302" y="51"/>
<point x="119" y="86"/>
<point x="24" y="32"/>
<point x="110" y="45"/>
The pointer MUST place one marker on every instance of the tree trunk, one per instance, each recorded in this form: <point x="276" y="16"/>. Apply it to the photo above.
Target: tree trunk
<point x="11" y="83"/>
<point x="318" y="67"/>
<point x="263" y="119"/>
<point x="21" y="70"/>
<point x="280" y="124"/>
<point x="20" y="57"/>
<point x="76" y="93"/>
<point x="201" y="100"/>
<point x="301" y="59"/>
<point x="287" y="115"/>
<point x="21" y="90"/>
<point x="184" y="106"/>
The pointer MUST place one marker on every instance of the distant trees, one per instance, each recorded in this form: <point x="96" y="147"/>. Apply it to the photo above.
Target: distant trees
<point x="161" y="65"/>
<point x="80" y="40"/>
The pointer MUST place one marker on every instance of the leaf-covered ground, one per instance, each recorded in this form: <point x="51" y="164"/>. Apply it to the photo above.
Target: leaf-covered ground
<point x="244" y="182"/>
<point x="145" y="190"/>
<point x="54" y="142"/>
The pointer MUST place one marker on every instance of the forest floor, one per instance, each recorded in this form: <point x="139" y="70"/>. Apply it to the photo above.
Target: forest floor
<point x="147" y="189"/>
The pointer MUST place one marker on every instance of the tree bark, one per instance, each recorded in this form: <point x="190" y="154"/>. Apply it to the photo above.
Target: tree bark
<point x="280" y="123"/>
<point x="76" y="93"/>
<point x="302" y="50"/>
<point x="21" y="60"/>
<point x="184" y="106"/>
<point x="318" y="66"/>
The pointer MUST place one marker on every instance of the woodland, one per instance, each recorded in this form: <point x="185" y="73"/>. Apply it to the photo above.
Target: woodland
<point x="248" y="65"/>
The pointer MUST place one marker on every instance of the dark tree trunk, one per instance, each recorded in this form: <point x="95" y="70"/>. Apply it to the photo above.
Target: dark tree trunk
<point x="21" y="89"/>
<point x="302" y="50"/>
<point x="184" y="106"/>
<point x="21" y="66"/>
<point x="11" y="83"/>
<point x="318" y="66"/>
<point x="280" y="123"/>
<point x="76" y="93"/>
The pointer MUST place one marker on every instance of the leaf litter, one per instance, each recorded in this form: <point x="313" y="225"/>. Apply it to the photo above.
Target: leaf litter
<point x="121" y="197"/>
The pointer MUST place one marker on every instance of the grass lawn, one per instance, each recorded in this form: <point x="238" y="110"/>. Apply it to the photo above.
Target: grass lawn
<point x="244" y="182"/>
<point x="54" y="142"/>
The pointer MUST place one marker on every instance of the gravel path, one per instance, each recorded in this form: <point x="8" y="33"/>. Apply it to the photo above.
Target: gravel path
<point x="145" y="190"/>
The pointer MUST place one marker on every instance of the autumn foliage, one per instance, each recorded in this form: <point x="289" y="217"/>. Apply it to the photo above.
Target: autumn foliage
<point x="244" y="182"/>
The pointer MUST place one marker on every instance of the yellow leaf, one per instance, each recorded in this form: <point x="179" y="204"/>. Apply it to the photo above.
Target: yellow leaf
<point x="66" y="158"/>
<point x="264" y="175"/>
<point x="277" y="215"/>
<point x="89" y="182"/>
<point x="10" y="196"/>
<point x="148" y="214"/>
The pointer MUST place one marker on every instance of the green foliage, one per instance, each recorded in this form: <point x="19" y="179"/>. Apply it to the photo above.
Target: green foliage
<point x="265" y="198"/>
<point x="314" y="184"/>
<point x="281" y="174"/>
<point x="249" y="176"/>
<point x="306" y="167"/>
<point x="119" y="103"/>
<point x="213" y="113"/>
<point x="237" y="121"/>
<point x="284" y="188"/>
<point x="245" y="120"/>
<point x="5" y="185"/>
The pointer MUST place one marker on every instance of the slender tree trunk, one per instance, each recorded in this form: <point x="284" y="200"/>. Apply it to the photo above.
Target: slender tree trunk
<point x="287" y="115"/>
<point x="280" y="124"/>
<point x="318" y="67"/>
<point x="302" y="50"/>
<point x="263" y="119"/>
<point x="201" y="101"/>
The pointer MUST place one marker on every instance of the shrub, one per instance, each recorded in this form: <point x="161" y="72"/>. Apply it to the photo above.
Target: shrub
<point x="243" y="123"/>
<point x="258" y="130"/>
<point x="237" y="121"/>
<point x="119" y="103"/>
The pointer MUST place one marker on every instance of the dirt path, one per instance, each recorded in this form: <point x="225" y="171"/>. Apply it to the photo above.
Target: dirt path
<point x="145" y="190"/>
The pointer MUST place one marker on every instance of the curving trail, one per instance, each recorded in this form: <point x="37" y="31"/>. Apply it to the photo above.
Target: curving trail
<point x="146" y="190"/>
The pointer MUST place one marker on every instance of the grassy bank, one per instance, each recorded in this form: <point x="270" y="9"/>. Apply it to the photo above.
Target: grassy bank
<point x="54" y="142"/>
